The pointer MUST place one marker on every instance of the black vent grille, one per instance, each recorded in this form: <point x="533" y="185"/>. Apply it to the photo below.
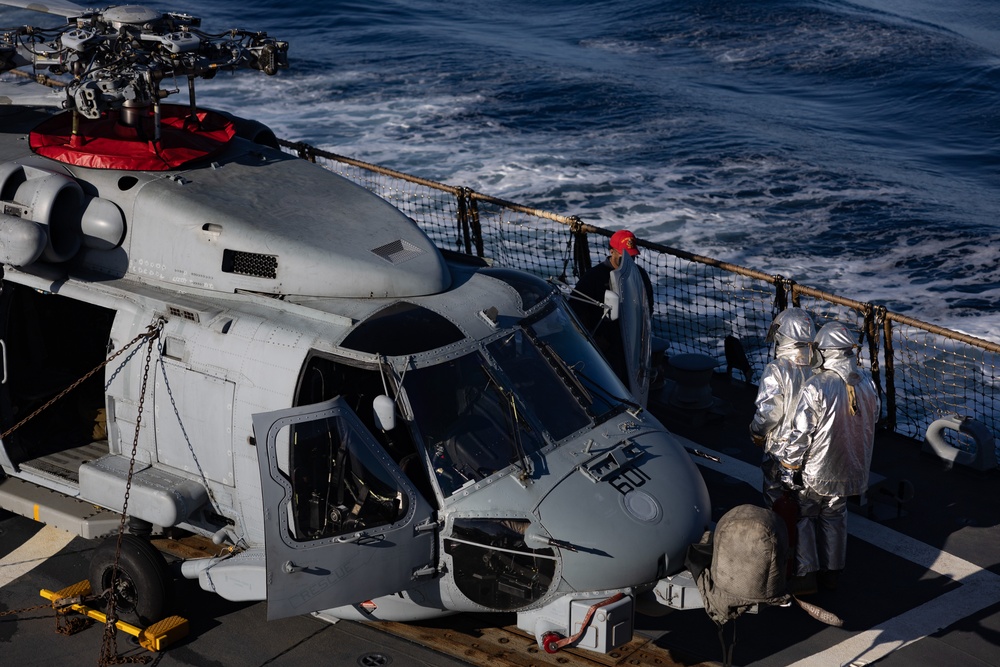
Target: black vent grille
<point x="249" y="264"/>
<point x="183" y="313"/>
<point x="398" y="251"/>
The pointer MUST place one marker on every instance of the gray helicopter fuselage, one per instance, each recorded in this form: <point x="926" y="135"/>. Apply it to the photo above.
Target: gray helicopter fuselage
<point x="513" y="472"/>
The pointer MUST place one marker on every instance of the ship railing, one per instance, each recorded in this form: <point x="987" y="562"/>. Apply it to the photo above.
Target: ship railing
<point x="923" y="371"/>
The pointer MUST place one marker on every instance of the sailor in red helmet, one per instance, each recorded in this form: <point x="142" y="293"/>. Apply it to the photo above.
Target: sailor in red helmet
<point x="590" y="309"/>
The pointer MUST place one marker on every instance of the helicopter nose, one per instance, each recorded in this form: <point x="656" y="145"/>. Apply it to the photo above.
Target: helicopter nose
<point x="632" y="525"/>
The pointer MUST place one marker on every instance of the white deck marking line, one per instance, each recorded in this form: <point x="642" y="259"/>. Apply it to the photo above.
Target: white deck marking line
<point x="44" y="544"/>
<point x="980" y="588"/>
<point x="980" y="591"/>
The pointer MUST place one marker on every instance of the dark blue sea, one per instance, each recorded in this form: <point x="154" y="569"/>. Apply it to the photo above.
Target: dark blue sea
<point x="852" y="146"/>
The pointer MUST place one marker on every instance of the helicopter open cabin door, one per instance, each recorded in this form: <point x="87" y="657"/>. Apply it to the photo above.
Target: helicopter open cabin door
<point x="636" y="327"/>
<point x="342" y="523"/>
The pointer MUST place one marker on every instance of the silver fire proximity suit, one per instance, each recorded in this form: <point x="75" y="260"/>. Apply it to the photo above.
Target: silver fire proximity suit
<point x="778" y="390"/>
<point x="830" y="444"/>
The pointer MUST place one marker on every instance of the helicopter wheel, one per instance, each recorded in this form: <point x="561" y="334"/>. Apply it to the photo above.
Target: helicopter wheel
<point x="550" y="642"/>
<point x="142" y="587"/>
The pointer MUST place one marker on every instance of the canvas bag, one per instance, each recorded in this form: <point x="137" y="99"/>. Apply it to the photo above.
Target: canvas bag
<point x="742" y="563"/>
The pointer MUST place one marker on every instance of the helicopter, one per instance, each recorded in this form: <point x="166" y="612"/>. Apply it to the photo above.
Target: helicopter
<point x="212" y="337"/>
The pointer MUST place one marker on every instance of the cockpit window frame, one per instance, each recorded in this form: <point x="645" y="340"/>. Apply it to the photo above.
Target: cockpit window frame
<point x="402" y="365"/>
<point x="617" y="404"/>
<point x="526" y="460"/>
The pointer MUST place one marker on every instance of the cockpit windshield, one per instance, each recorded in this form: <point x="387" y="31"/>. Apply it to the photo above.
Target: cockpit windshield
<point x="471" y="425"/>
<point x="558" y="333"/>
<point x="480" y="414"/>
<point x="535" y="381"/>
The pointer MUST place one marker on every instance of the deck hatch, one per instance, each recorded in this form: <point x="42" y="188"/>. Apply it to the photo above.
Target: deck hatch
<point x="250" y="264"/>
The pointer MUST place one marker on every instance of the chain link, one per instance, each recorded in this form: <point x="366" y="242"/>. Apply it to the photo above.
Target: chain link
<point x="64" y="625"/>
<point x="180" y="422"/>
<point x="109" y="645"/>
<point x="121" y="366"/>
<point x="152" y="332"/>
<point x="69" y="626"/>
<point x="23" y="610"/>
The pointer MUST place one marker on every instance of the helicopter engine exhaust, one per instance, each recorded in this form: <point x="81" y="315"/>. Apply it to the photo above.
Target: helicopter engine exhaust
<point x="23" y="240"/>
<point x="46" y="216"/>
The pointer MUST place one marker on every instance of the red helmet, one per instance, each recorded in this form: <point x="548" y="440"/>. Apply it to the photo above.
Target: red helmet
<point x="624" y="241"/>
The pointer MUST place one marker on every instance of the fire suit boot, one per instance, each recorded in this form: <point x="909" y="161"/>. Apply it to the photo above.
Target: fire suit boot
<point x="803" y="585"/>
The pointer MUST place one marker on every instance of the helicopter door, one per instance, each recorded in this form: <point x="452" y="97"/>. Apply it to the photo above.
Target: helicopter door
<point x="342" y="523"/>
<point x="636" y="328"/>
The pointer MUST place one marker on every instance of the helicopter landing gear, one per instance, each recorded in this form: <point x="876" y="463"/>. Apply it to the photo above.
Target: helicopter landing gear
<point x="142" y="587"/>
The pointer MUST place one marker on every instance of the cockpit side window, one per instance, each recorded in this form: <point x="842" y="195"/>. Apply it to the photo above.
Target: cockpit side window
<point x="338" y="485"/>
<point x="424" y="330"/>
<point x="324" y="378"/>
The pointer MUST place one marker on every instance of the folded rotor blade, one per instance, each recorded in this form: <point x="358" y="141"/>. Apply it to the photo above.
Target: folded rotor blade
<point x="57" y="7"/>
<point x="30" y="94"/>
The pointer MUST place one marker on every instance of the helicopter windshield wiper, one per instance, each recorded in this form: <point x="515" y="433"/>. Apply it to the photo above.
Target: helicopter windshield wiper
<point x="515" y="418"/>
<point x="635" y="408"/>
<point x="568" y="371"/>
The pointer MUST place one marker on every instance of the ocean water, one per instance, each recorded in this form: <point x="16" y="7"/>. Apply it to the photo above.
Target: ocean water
<point x="852" y="146"/>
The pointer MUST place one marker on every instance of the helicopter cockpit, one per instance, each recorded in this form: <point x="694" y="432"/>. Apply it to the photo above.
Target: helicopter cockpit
<point x="501" y="403"/>
<point x="476" y="405"/>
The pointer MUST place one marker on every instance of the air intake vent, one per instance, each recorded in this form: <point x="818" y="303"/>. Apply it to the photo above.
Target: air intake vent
<point x="249" y="264"/>
<point x="183" y="313"/>
<point x="397" y="252"/>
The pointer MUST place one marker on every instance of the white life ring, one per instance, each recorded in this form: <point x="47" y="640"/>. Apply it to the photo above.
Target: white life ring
<point x="985" y="456"/>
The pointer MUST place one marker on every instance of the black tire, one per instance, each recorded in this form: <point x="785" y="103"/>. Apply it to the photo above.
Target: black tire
<point x="143" y="582"/>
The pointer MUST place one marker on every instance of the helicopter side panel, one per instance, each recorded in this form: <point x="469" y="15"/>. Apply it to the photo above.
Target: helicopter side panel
<point x="242" y="360"/>
<point x="194" y="407"/>
<point x="271" y="223"/>
<point x="214" y="364"/>
<point x="268" y="371"/>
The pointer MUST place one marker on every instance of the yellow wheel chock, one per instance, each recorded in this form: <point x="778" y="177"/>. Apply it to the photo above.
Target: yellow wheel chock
<point x="154" y="638"/>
